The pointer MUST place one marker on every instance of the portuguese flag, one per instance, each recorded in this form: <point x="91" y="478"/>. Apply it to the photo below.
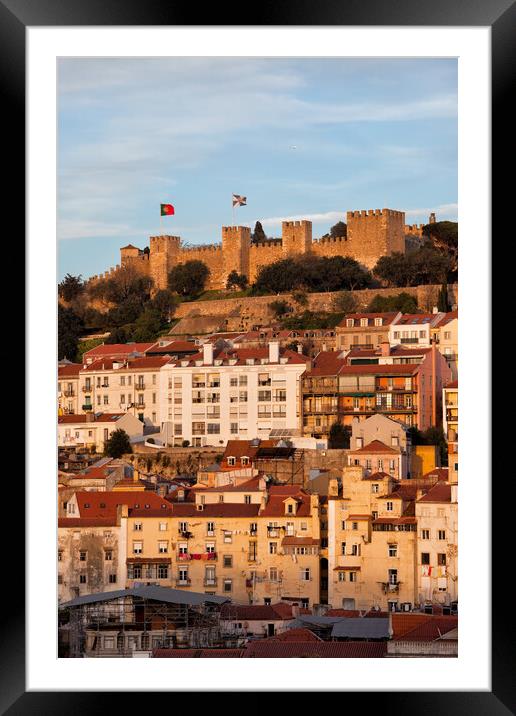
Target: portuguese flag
<point x="167" y="209"/>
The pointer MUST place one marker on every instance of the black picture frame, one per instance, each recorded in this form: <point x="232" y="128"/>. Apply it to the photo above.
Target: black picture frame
<point x="500" y="15"/>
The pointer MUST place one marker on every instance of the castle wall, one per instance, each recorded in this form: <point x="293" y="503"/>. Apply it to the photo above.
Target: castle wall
<point x="236" y="244"/>
<point x="262" y="254"/>
<point x="211" y="255"/>
<point x="375" y="233"/>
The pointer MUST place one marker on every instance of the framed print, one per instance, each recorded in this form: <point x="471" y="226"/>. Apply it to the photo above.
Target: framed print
<point x="372" y="105"/>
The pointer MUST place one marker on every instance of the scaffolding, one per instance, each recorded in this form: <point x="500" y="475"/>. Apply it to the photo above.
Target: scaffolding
<point x="132" y="622"/>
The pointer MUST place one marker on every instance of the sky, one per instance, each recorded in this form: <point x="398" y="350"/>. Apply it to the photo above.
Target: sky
<point x="300" y="138"/>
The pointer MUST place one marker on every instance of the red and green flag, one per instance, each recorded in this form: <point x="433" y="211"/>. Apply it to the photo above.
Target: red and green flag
<point x="167" y="209"/>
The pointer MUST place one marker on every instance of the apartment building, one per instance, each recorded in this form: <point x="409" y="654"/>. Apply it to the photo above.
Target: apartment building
<point x="364" y="330"/>
<point x="437" y="552"/>
<point x="91" y="551"/>
<point x="254" y="542"/>
<point x="92" y="430"/>
<point x="414" y="329"/>
<point x="131" y="385"/>
<point x="451" y="411"/>
<point x="334" y="391"/>
<point x="372" y="541"/>
<point x="220" y="395"/>
<point x="446" y="331"/>
<point x="68" y="388"/>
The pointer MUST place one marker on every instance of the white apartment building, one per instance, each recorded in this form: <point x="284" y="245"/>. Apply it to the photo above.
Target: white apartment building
<point x="68" y="388"/>
<point x="94" y="429"/>
<point x="126" y="385"/>
<point x="414" y="329"/>
<point x="437" y="553"/>
<point x="215" y="396"/>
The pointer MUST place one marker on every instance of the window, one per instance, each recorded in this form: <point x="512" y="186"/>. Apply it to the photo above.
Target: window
<point x="441" y="534"/>
<point x="210" y="547"/>
<point x="390" y="506"/>
<point x="137" y="526"/>
<point x="393" y="576"/>
<point x="393" y="550"/>
<point x="273" y="574"/>
<point x="83" y="556"/>
<point x="375" y="488"/>
<point x="352" y="576"/>
<point x="137" y="547"/>
<point x="163" y="526"/>
<point x="305" y="575"/>
<point x="228" y="585"/>
<point x="183" y="526"/>
<point x="231" y="460"/>
<point x="162" y="571"/>
<point x="343" y="548"/>
<point x="273" y="547"/>
<point x="354" y="525"/>
<point x="425" y="534"/>
<point x="59" y="578"/>
<point x="163" y="547"/>
<point x="210" y="528"/>
<point x="227" y="560"/>
<point x="247" y="499"/>
<point x="441" y="559"/>
<point x="233" y="428"/>
<point x="425" y="557"/>
<point x="355" y="550"/>
<point x="228" y="537"/>
<point x="82" y="579"/>
<point x="108" y="555"/>
<point x="221" y="498"/>
<point x="60" y="556"/>
<point x="112" y="578"/>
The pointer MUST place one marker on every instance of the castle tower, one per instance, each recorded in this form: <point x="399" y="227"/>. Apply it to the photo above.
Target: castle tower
<point x="296" y="237"/>
<point x="375" y="233"/>
<point x="431" y="218"/>
<point x="236" y="241"/>
<point x="164" y="255"/>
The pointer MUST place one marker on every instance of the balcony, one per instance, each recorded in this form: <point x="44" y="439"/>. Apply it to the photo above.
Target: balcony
<point x="139" y="386"/>
<point x="198" y="385"/>
<point x="183" y="557"/>
<point x="87" y="388"/>
<point x="87" y="406"/>
<point x="69" y="393"/>
<point x="139" y="406"/>
<point x="211" y="582"/>
<point x="183" y="582"/>
<point x="251" y="557"/>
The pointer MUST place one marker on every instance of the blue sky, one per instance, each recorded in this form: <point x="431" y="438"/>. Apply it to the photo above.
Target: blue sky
<point x="301" y="138"/>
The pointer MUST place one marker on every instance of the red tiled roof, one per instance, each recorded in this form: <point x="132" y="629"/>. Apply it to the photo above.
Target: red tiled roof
<point x="388" y="318"/>
<point x="331" y="363"/>
<point x="296" y="635"/>
<point x="86" y="522"/>
<point x="440" y="492"/>
<point x="80" y="419"/>
<point x="173" y="347"/>
<point x="371" y="614"/>
<point x="429" y="629"/>
<point x="439" y="473"/>
<point x="69" y="370"/>
<point x="376" y="476"/>
<point x="218" y="509"/>
<point x="198" y="653"/>
<point x="450" y="316"/>
<point x="415" y="319"/>
<point x="146" y="363"/>
<point x="135" y="501"/>
<point x="275" y="649"/>
<point x="454" y="385"/>
<point x="241" y="355"/>
<point x="116" y="349"/>
<point x="375" y="446"/>
<point x="251" y="485"/>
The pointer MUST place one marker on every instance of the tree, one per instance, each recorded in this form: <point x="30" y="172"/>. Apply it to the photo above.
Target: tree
<point x="118" y="444"/>
<point x="69" y="329"/>
<point x="70" y="287"/>
<point x="236" y="280"/>
<point x="278" y="277"/>
<point x="394" y="269"/>
<point x="344" y="302"/>
<point x="121" y="334"/>
<point x="403" y="302"/>
<point x="431" y="436"/>
<point x="339" y="230"/>
<point x="165" y="302"/>
<point x="444" y="236"/>
<point x="339" y="436"/>
<point x="148" y="325"/>
<point x="442" y="301"/>
<point x="426" y="265"/>
<point x="279" y="308"/>
<point x="258" y="234"/>
<point x="188" y="279"/>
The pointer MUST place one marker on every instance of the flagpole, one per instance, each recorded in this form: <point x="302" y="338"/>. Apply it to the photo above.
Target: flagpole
<point x="233" y="209"/>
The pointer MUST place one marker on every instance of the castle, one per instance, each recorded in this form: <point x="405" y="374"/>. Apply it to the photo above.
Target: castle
<point x="370" y="235"/>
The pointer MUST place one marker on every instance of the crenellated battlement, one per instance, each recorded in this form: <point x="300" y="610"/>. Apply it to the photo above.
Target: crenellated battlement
<point x="371" y="233"/>
<point x="201" y="248"/>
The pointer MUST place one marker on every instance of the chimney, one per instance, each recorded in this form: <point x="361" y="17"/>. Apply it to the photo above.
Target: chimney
<point x="385" y="348"/>
<point x="274" y="352"/>
<point x="299" y="348"/>
<point x="207" y="350"/>
<point x="90" y="417"/>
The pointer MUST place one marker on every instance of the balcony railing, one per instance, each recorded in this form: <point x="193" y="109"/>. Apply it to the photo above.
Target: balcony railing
<point x="69" y="393"/>
<point x="182" y="582"/>
<point x="139" y="405"/>
<point x="139" y="386"/>
<point x="87" y="406"/>
<point x="87" y="388"/>
<point x="211" y="582"/>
